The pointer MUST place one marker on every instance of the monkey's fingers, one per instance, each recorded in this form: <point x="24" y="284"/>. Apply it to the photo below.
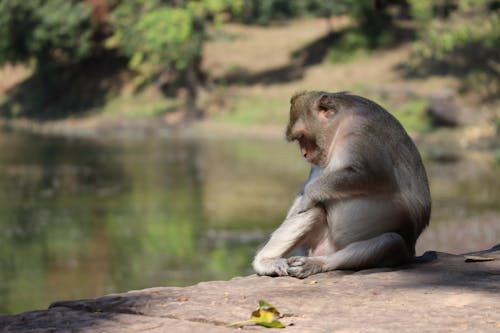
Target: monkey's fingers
<point x="302" y="267"/>
<point x="271" y="267"/>
<point x="281" y="267"/>
<point x="296" y="261"/>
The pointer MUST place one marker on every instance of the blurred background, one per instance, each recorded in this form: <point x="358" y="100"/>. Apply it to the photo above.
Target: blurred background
<point x="142" y="142"/>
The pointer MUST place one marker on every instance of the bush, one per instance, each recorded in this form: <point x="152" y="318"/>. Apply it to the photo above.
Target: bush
<point x="461" y="41"/>
<point x="265" y="11"/>
<point x="163" y="36"/>
<point x="51" y="31"/>
<point x="373" y="28"/>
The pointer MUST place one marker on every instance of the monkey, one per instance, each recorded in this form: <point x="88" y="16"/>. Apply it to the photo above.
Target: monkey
<point x="366" y="199"/>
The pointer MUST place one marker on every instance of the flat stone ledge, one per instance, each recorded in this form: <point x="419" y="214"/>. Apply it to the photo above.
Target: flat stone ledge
<point x="442" y="294"/>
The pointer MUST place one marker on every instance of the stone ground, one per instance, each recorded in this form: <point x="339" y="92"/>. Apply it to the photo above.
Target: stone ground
<point x="445" y="294"/>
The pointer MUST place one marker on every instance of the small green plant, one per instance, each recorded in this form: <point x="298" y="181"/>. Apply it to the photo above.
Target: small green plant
<point x="351" y="46"/>
<point x="265" y="316"/>
<point x="412" y="115"/>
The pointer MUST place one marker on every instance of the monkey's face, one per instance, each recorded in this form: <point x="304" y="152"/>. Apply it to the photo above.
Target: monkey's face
<point x="304" y="127"/>
<point x="311" y="152"/>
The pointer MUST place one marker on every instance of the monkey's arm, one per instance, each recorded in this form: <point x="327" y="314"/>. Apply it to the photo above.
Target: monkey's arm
<point x="359" y="174"/>
<point x="269" y="260"/>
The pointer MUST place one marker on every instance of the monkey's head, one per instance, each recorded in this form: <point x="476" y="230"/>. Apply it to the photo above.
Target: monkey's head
<point x="311" y="116"/>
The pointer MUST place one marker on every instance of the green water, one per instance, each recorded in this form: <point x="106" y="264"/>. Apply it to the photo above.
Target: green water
<point x="83" y="218"/>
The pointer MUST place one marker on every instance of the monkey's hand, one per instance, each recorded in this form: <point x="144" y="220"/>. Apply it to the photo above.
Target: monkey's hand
<point x="302" y="267"/>
<point x="312" y="195"/>
<point x="271" y="267"/>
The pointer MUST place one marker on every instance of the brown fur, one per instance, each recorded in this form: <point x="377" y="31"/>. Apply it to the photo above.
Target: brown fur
<point x="367" y="191"/>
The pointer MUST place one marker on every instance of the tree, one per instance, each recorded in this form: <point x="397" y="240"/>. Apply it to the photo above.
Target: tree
<point x="163" y="40"/>
<point x="458" y="37"/>
<point x="53" y="32"/>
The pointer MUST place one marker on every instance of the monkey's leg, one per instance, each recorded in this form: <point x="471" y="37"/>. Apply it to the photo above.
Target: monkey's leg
<point x="388" y="249"/>
<point x="290" y="234"/>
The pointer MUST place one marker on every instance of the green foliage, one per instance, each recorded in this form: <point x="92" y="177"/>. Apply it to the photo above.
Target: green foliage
<point x="373" y="29"/>
<point x="412" y="115"/>
<point x="469" y="24"/>
<point x="464" y="43"/>
<point x="265" y="11"/>
<point x="421" y="10"/>
<point x="49" y="30"/>
<point x="159" y="36"/>
<point x="372" y="21"/>
<point x="165" y="36"/>
<point x="351" y="45"/>
<point x="154" y="37"/>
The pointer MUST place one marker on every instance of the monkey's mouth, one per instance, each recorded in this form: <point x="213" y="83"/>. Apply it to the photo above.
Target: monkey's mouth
<point x="305" y="149"/>
<point x="305" y="154"/>
<point x="308" y="149"/>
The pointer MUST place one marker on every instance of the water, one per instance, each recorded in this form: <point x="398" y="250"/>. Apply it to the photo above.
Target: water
<point x="83" y="218"/>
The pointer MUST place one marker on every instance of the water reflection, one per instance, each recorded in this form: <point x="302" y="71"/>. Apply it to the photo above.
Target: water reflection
<point x="83" y="218"/>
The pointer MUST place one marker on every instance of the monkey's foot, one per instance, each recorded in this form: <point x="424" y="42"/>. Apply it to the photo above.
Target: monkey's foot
<point x="302" y="267"/>
<point x="271" y="267"/>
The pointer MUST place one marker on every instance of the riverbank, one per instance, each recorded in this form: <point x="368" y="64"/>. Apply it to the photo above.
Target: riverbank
<point x="251" y="74"/>
<point x="462" y="140"/>
<point x="453" y="293"/>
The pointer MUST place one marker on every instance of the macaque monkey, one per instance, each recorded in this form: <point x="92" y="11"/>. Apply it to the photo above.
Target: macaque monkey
<point x="367" y="198"/>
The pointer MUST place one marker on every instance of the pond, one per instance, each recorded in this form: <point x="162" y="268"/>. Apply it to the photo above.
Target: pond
<point x="81" y="218"/>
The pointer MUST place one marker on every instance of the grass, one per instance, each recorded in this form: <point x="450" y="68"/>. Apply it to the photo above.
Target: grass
<point x="140" y="105"/>
<point x="412" y="115"/>
<point x="251" y="110"/>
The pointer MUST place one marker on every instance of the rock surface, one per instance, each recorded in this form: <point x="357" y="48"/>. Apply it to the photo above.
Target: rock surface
<point x="442" y="109"/>
<point x="445" y="294"/>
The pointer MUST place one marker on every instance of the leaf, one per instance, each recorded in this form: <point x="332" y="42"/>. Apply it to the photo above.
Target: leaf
<point x="265" y="316"/>
<point x="477" y="259"/>
<point x="272" y="324"/>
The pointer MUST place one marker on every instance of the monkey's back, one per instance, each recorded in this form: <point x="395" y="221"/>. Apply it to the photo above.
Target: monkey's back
<point x="386" y="132"/>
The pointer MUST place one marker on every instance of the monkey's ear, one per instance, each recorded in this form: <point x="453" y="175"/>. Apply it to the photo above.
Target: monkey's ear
<point x="325" y="104"/>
